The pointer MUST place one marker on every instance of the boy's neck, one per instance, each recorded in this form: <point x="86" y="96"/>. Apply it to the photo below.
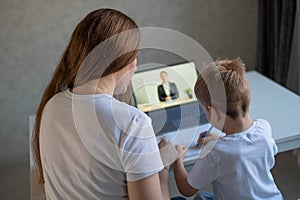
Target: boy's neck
<point x="238" y="125"/>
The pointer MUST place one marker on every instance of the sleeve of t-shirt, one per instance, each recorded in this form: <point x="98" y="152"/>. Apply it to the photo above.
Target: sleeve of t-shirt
<point x="268" y="131"/>
<point x="140" y="152"/>
<point x="203" y="172"/>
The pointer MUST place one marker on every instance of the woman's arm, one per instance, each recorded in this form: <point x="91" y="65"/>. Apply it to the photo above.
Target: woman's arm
<point x="153" y="187"/>
<point x="164" y="183"/>
<point x="161" y="93"/>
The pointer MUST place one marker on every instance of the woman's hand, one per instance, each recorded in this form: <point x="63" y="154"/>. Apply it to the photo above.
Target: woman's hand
<point x="168" y="152"/>
<point x="164" y="142"/>
<point x="168" y="98"/>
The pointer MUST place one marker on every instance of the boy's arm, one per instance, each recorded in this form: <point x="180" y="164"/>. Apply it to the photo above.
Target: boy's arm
<point x="181" y="174"/>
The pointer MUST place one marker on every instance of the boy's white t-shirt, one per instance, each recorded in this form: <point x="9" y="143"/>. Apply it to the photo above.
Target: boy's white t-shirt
<point x="239" y="165"/>
<point x="91" y="145"/>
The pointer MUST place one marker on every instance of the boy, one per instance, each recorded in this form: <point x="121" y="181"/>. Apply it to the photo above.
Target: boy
<point x="239" y="164"/>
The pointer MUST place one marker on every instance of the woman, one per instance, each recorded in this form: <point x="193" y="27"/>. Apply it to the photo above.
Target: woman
<point x="87" y="144"/>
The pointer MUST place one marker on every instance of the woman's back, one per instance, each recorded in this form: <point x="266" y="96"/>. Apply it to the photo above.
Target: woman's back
<point x="87" y="151"/>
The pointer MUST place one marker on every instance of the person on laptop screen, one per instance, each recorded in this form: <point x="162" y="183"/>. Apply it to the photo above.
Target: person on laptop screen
<point x="167" y="90"/>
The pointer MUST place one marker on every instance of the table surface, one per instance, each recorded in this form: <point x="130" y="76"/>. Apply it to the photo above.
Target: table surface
<point x="270" y="101"/>
<point x="279" y="106"/>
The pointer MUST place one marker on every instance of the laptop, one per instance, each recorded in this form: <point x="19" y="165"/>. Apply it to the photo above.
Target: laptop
<point x="166" y="95"/>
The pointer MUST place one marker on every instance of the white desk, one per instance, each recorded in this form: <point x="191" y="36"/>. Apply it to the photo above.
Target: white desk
<point x="278" y="105"/>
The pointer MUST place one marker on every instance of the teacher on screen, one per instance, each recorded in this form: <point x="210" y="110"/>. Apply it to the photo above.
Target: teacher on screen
<point x="167" y="90"/>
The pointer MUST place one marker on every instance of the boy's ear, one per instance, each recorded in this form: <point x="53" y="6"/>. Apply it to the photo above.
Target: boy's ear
<point x="215" y="114"/>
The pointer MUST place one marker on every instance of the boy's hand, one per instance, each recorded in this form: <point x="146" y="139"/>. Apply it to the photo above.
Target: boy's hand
<point x="182" y="150"/>
<point x="211" y="136"/>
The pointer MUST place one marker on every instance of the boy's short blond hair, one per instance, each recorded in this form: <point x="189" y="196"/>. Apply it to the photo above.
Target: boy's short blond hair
<point x="233" y="75"/>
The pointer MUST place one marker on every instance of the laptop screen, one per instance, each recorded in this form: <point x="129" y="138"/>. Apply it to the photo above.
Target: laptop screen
<point x="166" y="95"/>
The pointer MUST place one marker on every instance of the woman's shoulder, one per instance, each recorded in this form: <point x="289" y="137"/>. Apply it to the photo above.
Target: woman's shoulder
<point x="127" y="110"/>
<point x="124" y="115"/>
<point x="58" y="101"/>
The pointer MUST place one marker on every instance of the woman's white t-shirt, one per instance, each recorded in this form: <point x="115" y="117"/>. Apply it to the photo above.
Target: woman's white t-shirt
<point x="91" y="145"/>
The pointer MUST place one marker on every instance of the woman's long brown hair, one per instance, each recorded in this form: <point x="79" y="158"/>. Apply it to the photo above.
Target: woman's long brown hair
<point x="95" y="28"/>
